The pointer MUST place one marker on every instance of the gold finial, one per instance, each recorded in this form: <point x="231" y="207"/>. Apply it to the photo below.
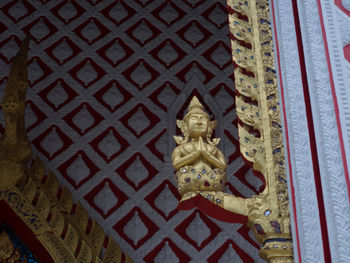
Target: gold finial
<point x="18" y="78"/>
<point x="195" y="104"/>
<point x="195" y="107"/>
<point x="13" y="107"/>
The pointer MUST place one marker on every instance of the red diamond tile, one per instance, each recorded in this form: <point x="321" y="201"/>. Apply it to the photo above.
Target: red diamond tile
<point x="94" y="2"/>
<point x="181" y="256"/>
<point x="17" y="10"/>
<point x="83" y="118"/>
<point x="225" y="95"/>
<point x="136" y="120"/>
<point x="168" y="53"/>
<point x="194" y="65"/>
<point x="152" y="145"/>
<point x="166" y="193"/>
<point x="87" y="72"/>
<point x="217" y="255"/>
<point x="118" y="12"/>
<point x="78" y="169"/>
<point x="142" y="32"/>
<point x="40" y="29"/>
<point x="193" y="3"/>
<point x="233" y="190"/>
<point x="217" y="15"/>
<point x="164" y="95"/>
<point x="137" y="162"/>
<point x="140" y="74"/>
<point x="115" y="52"/>
<point x="9" y="48"/>
<point x="151" y="227"/>
<point x="144" y="2"/>
<point x="38" y="115"/>
<point x="168" y="13"/>
<point x="101" y="196"/>
<point x="214" y="230"/>
<point x="63" y="50"/>
<point x="244" y="232"/>
<point x="241" y="175"/>
<point x="235" y="145"/>
<point x="57" y="94"/>
<point x="112" y="96"/>
<point x="109" y="144"/>
<point x="52" y="142"/>
<point x="91" y="30"/>
<point x="38" y="70"/>
<point x="3" y="28"/>
<point x="219" y="55"/>
<point x="68" y="10"/>
<point x="180" y="115"/>
<point x="194" y="33"/>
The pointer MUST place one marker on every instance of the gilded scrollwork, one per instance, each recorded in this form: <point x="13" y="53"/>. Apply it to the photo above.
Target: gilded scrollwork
<point x="34" y="195"/>
<point x="268" y="212"/>
<point x="200" y="165"/>
<point x="8" y="252"/>
<point x="260" y="136"/>
<point x="243" y="56"/>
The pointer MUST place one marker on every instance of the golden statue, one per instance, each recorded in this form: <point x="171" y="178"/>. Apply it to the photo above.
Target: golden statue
<point x="8" y="252"/>
<point x="200" y="165"/>
<point x="15" y="148"/>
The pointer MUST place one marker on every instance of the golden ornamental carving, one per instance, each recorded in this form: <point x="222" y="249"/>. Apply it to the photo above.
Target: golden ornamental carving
<point x="8" y="252"/>
<point x="62" y="227"/>
<point x="200" y="165"/>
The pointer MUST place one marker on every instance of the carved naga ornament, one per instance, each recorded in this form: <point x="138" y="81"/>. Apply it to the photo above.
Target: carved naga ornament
<point x="58" y="229"/>
<point x="200" y="165"/>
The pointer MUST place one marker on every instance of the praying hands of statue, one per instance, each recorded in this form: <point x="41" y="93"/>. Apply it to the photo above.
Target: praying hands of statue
<point x="200" y="165"/>
<point x="201" y="155"/>
<point x="212" y="155"/>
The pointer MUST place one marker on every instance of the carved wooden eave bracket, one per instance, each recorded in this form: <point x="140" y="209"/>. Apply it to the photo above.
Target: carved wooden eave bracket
<point x="62" y="228"/>
<point x="260" y="137"/>
<point x="260" y="130"/>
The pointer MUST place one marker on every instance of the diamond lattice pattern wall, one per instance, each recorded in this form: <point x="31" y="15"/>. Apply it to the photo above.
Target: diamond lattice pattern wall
<point x="107" y="81"/>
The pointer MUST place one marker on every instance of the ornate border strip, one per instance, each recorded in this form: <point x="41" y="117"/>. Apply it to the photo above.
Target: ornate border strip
<point x="63" y="227"/>
<point x="334" y="183"/>
<point x="301" y="170"/>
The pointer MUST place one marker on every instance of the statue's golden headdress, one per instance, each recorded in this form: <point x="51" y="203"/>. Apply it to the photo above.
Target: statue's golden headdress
<point x="195" y="107"/>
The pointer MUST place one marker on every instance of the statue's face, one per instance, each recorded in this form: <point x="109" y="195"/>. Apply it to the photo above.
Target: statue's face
<point x="197" y="125"/>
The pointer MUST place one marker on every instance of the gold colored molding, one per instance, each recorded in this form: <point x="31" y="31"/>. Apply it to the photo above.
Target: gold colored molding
<point x="63" y="227"/>
<point x="258" y="109"/>
<point x="260" y="136"/>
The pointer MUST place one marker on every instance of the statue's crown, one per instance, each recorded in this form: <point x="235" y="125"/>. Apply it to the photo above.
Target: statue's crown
<point x="195" y="107"/>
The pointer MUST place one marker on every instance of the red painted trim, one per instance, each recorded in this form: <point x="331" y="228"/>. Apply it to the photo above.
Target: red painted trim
<point x="286" y="133"/>
<point x="339" y="3"/>
<point x="211" y="210"/>
<point x="11" y="219"/>
<point x="335" y="100"/>
<point x="313" y="144"/>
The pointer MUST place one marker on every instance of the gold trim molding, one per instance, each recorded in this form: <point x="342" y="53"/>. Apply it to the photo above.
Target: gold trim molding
<point x="63" y="227"/>
<point x="200" y="165"/>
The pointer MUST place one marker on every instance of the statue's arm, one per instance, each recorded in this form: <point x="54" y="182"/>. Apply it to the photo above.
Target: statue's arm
<point x="217" y="162"/>
<point x="179" y="161"/>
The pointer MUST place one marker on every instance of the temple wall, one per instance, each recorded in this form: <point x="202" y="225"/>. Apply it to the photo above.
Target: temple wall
<point x="107" y="81"/>
<point x="313" y="69"/>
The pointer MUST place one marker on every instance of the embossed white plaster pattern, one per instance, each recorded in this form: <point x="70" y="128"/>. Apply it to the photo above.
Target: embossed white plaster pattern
<point x="301" y="161"/>
<point x="342" y="76"/>
<point x="327" y="138"/>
